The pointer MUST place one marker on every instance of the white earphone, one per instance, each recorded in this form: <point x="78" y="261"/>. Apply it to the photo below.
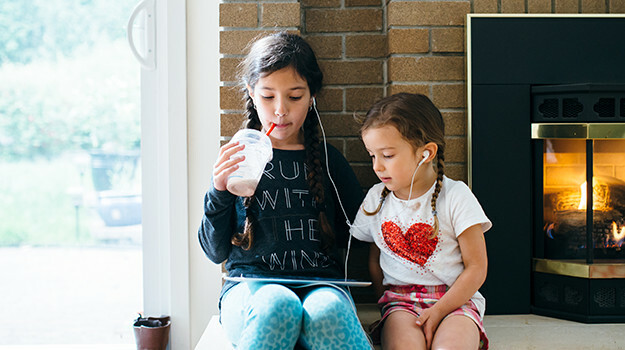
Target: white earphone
<point x="426" y="154"/>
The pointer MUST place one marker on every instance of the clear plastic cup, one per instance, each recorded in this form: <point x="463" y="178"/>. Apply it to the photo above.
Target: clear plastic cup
<point x="243" y="181"/>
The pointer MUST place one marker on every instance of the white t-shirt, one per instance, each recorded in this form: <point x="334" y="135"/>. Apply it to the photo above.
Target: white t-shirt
<point x="402" y="229"/>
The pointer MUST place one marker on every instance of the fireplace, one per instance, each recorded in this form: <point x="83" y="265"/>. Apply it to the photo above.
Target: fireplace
<point x="579" y="222"/>
<point x="546" y="110"/>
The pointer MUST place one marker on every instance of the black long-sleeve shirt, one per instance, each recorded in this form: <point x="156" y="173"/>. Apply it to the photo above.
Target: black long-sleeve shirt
<point x="287" y="237"/>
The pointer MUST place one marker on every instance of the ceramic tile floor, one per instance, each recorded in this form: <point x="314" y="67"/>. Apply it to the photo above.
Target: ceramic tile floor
<point x="520" y="332"/>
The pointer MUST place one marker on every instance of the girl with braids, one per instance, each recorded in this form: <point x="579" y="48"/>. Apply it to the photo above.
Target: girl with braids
<point x="292" y="225"/>
<point x="428" y="256"/>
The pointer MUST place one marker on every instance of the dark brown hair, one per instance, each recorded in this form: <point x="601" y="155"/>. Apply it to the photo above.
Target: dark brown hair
<point x="419" y="122"/>
<point x="267" y="55"/>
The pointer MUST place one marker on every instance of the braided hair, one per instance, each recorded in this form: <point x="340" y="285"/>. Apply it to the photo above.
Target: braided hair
<point x="267" y="55"/>
<point x="419" y="122"/>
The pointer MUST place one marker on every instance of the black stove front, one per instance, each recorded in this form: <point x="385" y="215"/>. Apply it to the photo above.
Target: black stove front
<point x="546" y="110"/>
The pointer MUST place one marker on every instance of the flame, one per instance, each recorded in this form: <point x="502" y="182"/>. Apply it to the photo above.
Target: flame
<point x="600" y="196"/>
<point x="583" y="200"/>
<point x="618" y="235"/>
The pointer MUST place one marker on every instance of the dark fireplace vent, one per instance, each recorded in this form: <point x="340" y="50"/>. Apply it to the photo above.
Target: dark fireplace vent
<point x="605" y="108"/>
<point x="578" y="103"/>
<point x="571" y="107"/>
<point x="605" y="297"/>
<point x="549" y="108"/>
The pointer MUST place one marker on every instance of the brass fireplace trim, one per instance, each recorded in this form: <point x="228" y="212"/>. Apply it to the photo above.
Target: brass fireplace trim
<point x="598" y="270"/>
<point x="578" y="131"/>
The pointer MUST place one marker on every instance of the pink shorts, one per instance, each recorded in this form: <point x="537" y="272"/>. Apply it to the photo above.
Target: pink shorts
<point x="413" y="299"/>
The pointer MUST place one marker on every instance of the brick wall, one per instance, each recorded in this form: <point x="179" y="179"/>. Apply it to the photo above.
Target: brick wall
<point x="371" y="48"/>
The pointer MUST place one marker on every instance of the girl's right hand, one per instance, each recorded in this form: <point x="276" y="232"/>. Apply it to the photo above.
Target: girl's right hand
<point x="226" y="164"/>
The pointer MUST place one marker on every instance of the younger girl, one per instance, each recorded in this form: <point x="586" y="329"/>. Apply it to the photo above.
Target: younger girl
<point x="429" y="256"/>
<point x="292" y="225"/>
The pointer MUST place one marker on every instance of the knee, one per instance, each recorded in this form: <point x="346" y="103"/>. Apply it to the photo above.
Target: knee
<point x="272" y="301"/>
<point x="327" y="303"/>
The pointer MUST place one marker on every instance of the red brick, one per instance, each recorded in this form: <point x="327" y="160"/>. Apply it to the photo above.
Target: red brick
<point x="567" y="6"/>
<point x="365" y="175"/>
<point x="281" y="14"/>
<point x="409" y="88"/>
<point x="512" y="6"/>
<point x="617" y="6"/>
<point x="361" y="99"/>
<point x="456" y="149"/>
<point x="343" y="20"/>
<point x="456" y="171"/>
<point x="447" y="40"/>
<point x="321" y="3"/>
<point x="230" y="98"/>
<point x="593" y="6"/>
<point x="353" y="3"/>
<point x="408" y="40"/>
<point x="449" y="96"/>
<point x="455" y="123"/>
<point x="352" y="72"/>
<point x="238" y="15"/>
<point x="236" y="41"/>
<point x="434" y="68"/>
<point x="367" y="45"/>
<point x="228" y="68"/>
<point x="326" y="46"/>
<point x="418" y="13"/>
<point x="231" y="123"/>
<point x="485" y="6"/>
<point x="330" y="99"/>
<point x="539" y="6"/>
<point x="339" y="124"/>
<point x="356" y="152"/>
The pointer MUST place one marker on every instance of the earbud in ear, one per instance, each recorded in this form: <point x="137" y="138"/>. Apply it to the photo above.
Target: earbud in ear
<point x="426" y="154"/>
<point x="314" y="102"/>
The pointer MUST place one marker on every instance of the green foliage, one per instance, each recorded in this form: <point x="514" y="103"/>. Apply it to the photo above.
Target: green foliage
<point x="83" y="102"/>
<point x="47" y="29"/>
<point x="68" y="78"/>
<point x="36" y="205"/>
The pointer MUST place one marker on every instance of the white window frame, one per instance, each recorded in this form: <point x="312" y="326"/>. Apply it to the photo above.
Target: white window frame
<point x="179" y="111"/>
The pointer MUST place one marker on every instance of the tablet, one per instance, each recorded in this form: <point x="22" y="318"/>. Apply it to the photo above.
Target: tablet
<point x="299" y="280"/>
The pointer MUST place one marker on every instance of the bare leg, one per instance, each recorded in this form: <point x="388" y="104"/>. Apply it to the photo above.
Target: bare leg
<point x="400" y="331"/>
<point x="457" y="332"/>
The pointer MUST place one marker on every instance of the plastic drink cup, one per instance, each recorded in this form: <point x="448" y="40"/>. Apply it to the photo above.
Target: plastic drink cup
<point x="258" y="151"/>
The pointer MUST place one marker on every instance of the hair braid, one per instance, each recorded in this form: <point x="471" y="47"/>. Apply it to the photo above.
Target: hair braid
<point x="315" y="176"/>
<point x="440" y="166"/>
<point x="246" y="239"/>
<point x="252" y="120"/>
<point x="383" y="195"/>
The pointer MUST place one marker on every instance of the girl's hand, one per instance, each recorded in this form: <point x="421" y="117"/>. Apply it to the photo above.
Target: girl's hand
<point x="226" y="164"/>
<point x="428" y="321"/>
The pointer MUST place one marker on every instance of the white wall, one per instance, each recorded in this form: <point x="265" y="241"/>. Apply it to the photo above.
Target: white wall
<point x="203" y="144"/>
<point x="180" y="139"/>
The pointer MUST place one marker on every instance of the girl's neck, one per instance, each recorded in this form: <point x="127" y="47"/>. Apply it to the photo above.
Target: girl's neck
<point x="293" y="144"/>
<point x="422" y="184"/>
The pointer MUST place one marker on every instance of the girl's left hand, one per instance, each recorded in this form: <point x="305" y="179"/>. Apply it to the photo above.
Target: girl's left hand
<point x="428" y="321"/>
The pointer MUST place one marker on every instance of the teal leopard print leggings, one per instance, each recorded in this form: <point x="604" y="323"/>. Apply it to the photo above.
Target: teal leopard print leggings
<point x="259" y="316"/>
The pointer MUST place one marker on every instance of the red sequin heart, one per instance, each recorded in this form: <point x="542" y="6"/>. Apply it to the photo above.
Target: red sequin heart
<point x="415" y="245"/>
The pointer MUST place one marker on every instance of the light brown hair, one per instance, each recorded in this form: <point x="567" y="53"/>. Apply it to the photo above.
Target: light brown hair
<point x="419" y="122"/>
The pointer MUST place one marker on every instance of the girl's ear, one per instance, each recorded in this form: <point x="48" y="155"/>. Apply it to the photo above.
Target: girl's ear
<point x="250" y="91"/>
<point x="432" y="148"/>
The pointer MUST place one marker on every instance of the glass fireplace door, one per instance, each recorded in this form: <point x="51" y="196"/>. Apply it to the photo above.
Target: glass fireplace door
<point x="567" y="168"/>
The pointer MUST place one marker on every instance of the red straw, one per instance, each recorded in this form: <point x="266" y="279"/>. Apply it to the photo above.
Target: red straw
<point x="273" y="125"/>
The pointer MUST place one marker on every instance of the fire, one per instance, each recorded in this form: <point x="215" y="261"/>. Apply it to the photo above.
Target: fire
<point x="600" y="196"/>
<point x="618" y="235"/>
